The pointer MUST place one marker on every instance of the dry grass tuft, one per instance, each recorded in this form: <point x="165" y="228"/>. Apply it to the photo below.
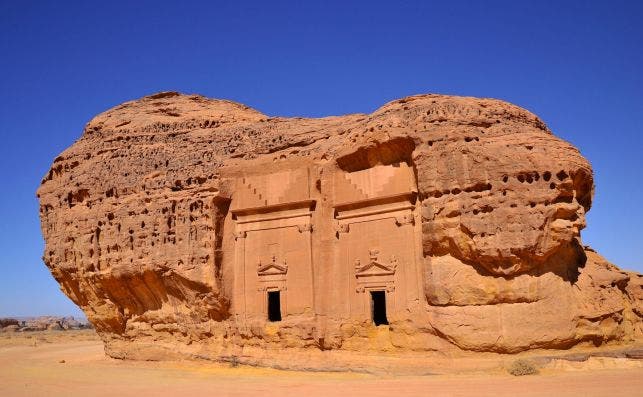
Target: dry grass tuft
<point x="522" y="367"/>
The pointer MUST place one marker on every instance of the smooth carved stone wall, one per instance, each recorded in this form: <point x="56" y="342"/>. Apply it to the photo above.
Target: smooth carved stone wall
<point x="378" y="247"/>
<point x="273" y="245"/>
<point x="181" y="224"/>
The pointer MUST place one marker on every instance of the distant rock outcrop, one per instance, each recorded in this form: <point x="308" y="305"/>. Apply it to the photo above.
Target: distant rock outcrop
<point x="188" y="226"/>
<point x="42" y="323"/>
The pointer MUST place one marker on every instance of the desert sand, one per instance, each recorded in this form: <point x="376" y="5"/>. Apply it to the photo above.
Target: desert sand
<point x="31" y="364"/>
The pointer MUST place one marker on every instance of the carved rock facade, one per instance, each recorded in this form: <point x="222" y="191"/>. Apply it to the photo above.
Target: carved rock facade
<point x="186" y="226"/>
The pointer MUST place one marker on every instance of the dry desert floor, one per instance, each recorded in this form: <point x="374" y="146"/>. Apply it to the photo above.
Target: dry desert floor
<point x="72" y="363"/>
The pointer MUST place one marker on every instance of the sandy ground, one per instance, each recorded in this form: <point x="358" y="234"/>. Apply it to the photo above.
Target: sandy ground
<point x="31" y="365"/>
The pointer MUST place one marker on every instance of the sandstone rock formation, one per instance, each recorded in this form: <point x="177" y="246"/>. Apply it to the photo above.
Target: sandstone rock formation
<point x="187" y="226"/>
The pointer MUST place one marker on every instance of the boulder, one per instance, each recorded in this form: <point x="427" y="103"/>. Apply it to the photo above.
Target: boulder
<point x="10" y="328"/>
<point x="54" y="327"/>
<point x="5" y="322"/>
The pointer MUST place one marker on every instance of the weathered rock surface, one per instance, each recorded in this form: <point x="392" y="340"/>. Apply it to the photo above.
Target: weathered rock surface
<point x="177" y="221"/>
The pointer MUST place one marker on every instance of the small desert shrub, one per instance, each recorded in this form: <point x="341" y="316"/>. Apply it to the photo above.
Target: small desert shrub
<point x="522" y="367"/>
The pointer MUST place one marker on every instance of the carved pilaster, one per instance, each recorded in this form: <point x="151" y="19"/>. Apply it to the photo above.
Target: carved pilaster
<point x="240" y="235"/>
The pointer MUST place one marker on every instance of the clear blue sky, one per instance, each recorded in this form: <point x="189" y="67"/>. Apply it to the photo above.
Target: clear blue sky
<point x="577" y="64"/>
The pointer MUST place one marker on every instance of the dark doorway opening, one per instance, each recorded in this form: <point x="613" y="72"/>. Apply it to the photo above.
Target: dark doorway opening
<point x="378" y="307"/>
<point x="274" y="306"/>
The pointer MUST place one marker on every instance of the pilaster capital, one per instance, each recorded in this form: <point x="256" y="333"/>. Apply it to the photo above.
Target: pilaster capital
<point x="408" y="219"/>
<point x="342" y="227"/>
<point x="305" y="227"/>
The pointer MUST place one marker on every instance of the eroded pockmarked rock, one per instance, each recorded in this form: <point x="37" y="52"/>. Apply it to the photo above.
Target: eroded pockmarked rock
<point x="186" y="226"/>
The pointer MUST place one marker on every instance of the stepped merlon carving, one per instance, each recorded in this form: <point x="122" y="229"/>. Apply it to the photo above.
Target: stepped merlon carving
<point x="270" y="190"/>
<point x="374" y="183"/>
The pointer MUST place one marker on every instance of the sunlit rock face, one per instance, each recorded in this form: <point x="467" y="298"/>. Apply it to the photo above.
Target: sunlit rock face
<point x="192" y="227"/>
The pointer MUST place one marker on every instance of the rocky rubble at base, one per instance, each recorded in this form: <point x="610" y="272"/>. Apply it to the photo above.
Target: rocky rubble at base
<point x="42" y="323"/>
